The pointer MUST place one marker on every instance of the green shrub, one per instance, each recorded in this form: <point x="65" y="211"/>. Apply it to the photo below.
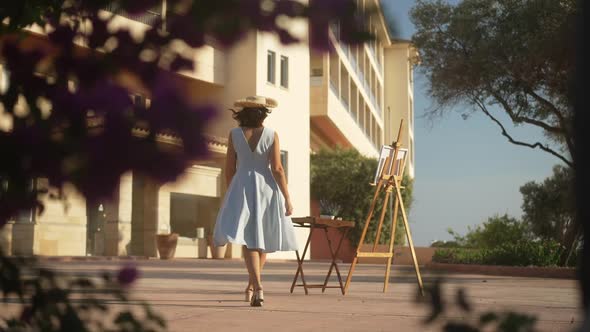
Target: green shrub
<point x="523" y="253"/>
<point x="496" y="231"/>
<point x="342" y="177"/>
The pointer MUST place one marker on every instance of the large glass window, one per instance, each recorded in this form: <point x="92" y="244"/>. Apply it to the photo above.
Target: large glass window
<point x="25" y="215"/>
<point x="284" y="71"/>
<point x="270" y="67"/>
<point x="188" y="211"/>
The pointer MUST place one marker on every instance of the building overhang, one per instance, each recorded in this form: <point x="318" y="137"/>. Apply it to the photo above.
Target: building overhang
<point x="215" y="144"/>
<point x="414" y="54"/>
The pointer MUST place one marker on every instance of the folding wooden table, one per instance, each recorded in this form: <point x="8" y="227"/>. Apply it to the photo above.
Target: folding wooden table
<point x="314" y="223"/>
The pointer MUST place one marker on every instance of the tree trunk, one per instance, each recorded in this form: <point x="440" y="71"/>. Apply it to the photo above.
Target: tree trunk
<point x="581" y="167"/>
<point x="569" y="242"/>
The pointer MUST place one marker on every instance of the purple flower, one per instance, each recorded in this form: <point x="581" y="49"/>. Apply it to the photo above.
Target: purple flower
<point x="99" y="34"/>
<point x="170" y="111"/>
<point x="290" y="8"/>
<point x="286" y="38"/>
<point x="26" y="314"/>
<point x="63" y="36"/>
<point x="186" y="28"/>
<point x="127" y="275"/>
<point x="182" y="63"/>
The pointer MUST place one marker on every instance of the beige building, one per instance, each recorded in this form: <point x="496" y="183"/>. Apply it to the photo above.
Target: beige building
<point x="360" y="93"/>
<point x="342" y="102"/>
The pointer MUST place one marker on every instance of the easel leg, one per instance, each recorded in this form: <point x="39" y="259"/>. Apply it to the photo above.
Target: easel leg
<point x="350" y="271"/>
<point x="383" y="210"/>
<point x="391" y="243"/>
<point x="370" y="215"/>
<point x="363" y="235"/>
<point x="410" y="242"/>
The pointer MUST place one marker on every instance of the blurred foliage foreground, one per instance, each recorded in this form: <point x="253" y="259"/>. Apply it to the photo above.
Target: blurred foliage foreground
<point x="46" y="300"/>
<point x="69" y="99"/>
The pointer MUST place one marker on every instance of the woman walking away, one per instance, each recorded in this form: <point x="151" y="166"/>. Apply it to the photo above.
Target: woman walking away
<point x="256" y="207"/>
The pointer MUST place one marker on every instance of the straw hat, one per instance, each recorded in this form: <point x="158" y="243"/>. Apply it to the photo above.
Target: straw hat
<point x="256" y="101"/>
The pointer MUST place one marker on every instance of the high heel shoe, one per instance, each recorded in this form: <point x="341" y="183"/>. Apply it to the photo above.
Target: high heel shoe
<point x="257" y="299"/>
<point x="248" y="293"/>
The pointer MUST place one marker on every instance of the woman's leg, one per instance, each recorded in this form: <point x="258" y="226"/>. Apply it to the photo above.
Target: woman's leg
<point x="252" y="259"/>
<point x="248" y="264"/>
<point x="262" y="262"/>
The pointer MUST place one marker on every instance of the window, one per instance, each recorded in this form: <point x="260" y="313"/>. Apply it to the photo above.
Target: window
<point x="270" y="67"/>
<point x="284" y="160"/>
<point x="24" y="215"/>
<point x="189" y="211"/>
<point x="317" y="72"/>
<point x="284" y="71"/>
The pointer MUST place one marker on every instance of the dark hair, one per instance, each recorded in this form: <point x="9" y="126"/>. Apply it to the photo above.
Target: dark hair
<point x="251" y="116"/>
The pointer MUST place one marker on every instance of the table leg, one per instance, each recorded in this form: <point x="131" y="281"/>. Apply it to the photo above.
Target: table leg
<point x="298" y="270"/>
<point x="336" y="255"/>
<point x="300" y="263"/>
<point x="334" y="265"/>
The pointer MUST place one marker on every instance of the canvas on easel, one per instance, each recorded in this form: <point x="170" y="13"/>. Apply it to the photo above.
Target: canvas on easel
<point x="388" y="177"/>
<point x="384" y="165"/>
<point x="383" y="159"/>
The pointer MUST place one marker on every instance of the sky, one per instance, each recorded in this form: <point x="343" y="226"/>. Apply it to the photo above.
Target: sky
<point x="466" y="171"/>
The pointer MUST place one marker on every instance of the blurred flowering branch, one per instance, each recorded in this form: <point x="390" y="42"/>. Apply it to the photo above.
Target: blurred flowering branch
<point x="55" y="301"/>
<point x="68" y="96"/>
<point x="67" y="115"/>
<point x="471" y="321"/>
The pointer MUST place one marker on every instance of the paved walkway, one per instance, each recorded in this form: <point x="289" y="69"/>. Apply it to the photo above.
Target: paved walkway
<point x="206" y="295"/>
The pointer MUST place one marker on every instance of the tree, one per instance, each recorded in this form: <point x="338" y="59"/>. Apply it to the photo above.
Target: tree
<point x="343" y="177"/>
<point x="495" y="232"/>
<point x="510" y="56"/>
<point x="549" y="209"/>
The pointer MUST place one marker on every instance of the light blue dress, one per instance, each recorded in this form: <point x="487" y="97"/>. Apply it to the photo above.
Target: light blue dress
<point x="253" y="209"/>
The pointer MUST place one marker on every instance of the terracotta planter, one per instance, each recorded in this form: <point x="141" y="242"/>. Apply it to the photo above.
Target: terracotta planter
<point x="166" y="244"/>
<point x="216" y="252"/>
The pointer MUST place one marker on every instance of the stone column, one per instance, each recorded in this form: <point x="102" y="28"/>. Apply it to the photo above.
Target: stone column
<point x="60" y="230"/>
<point x="117" y="229"/>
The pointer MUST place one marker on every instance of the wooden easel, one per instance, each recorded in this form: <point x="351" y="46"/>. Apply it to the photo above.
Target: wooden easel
<point x="388" y="182"/>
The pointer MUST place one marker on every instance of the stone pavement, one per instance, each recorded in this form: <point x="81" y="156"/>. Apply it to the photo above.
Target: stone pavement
<point x="207" y="295"/>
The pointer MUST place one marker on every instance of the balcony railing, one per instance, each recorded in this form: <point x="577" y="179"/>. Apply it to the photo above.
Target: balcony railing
<point x="373" y="52"/>
<point x="348" y="108"/>
<point x="357" y="69"/>
<point x="150" y="17"/>
<point x="334" y="89"/>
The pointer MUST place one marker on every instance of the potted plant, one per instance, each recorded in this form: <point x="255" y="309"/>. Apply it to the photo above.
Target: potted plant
<point x="217" y="252"/>
<point x="329" y="209"/>
<point x="166" y="244"/>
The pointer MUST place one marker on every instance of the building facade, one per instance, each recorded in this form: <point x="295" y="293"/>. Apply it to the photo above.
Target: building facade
<point x="359" y="94"/>
<point x="325" y="100"/>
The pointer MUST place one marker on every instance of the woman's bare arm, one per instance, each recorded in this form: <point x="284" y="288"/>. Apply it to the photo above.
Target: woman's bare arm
<point x="279" y="174"/>
<point x="230" y="161"/>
